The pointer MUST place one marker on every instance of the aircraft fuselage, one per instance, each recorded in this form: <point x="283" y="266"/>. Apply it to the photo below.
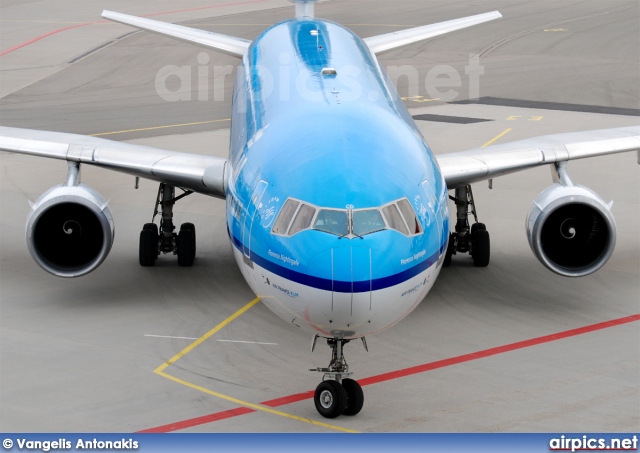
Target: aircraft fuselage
<point x="336" y="208"/>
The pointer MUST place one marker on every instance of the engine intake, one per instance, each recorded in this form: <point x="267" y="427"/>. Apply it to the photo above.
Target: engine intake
<point x="70" y="230"/>
<point x="571" y="230"/>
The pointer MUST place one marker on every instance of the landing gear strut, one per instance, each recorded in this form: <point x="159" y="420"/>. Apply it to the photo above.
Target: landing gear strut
<point x="474" y="240"/>
<point x="154" y="240"/>
<point x="337" y="394"/>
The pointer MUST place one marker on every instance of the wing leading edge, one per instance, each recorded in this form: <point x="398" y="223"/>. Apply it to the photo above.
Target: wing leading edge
<point x="229" y="45"/>
<point x="202" y="174"/>
<point x="466" y="167"/>
<point x="389" y="41"/>
<point x="237" y="47"/>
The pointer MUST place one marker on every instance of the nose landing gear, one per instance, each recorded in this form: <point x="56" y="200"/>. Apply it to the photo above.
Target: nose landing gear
<point x="337" y="394"/>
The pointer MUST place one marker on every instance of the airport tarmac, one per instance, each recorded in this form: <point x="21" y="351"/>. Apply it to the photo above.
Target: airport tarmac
<point x="507" y="348"/>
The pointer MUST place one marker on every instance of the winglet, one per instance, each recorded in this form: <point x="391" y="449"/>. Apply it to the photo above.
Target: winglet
<point x="388" y="41"/>
<point x="229" y="45"/>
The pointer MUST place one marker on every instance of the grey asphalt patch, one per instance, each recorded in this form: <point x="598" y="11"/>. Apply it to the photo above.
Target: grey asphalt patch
<point x="449" y="119"/>
<point x="551" y="106"/>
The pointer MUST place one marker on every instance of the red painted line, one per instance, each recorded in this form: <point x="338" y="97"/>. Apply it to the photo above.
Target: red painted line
<point x="401" y="373"/>
<point x="199" y="420"/>
<point x="495" y="351"/>
<point x="289" y="399"/>
<point x="38" y="38"/>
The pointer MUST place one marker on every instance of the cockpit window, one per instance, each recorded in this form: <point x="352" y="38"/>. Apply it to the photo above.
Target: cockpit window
<point x="296" y="216"/>
<point x="410" y="216"/>
<point x="286" y="214"/>
<point x="394" y="219"/>
<point x="303" y="219"/>
<point x="367" y="221"/>
<point x="332" y="221"/>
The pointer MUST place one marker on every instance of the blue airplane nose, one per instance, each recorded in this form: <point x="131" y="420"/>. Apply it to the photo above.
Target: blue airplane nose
<point x="350" y="306"/>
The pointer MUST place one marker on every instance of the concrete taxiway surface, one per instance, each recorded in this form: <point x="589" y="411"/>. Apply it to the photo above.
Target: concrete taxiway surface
<point x="79" y="355"/>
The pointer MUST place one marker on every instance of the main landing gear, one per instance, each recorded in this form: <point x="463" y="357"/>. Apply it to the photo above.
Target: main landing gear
<point x="154" y="240"/>
<point x="474" y="240"/>
<point x="337" y="394"/>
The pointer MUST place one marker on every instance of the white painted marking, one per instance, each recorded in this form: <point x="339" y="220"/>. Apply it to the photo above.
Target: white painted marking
<point x="248" y="342"/>
<point x="164" y="336"/>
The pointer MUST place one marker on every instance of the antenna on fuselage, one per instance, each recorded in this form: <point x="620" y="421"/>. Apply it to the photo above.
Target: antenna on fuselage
<point x="304" y="8"/>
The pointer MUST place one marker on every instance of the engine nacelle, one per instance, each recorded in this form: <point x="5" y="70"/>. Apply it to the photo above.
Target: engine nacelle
<point x="70" y="230"/>
<point x="571" y="230"/>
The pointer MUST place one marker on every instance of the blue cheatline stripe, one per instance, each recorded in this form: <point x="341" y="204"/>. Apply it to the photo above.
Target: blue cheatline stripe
<point x="337" y="286"/>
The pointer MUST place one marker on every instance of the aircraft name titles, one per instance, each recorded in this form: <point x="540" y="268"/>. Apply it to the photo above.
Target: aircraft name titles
<point x="413" y="258"/>
<point x="284" y="258"/>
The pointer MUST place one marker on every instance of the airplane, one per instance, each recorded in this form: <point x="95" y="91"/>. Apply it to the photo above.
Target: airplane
<point x="336" y="208"/>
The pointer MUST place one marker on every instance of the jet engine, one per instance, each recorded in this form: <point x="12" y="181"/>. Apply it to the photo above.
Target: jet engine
<point x="70" y="230"/>
<point x="571" y="230"/>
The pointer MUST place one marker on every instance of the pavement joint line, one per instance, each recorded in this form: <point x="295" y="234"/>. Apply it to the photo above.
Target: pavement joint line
<point x="247" y="342"/>
<point x="38" y="38"/>
<point x="84" y="24"/>
<point x="167" y="336"/>
<point x="39" y="21"/>
<point x="500" y="135"/>
<point x="204" y="337"/>
<point x="257" y="407"/>
<point x="160" y="127"/>
<point x="411" y="371"/>
<point x="100" y="22"/>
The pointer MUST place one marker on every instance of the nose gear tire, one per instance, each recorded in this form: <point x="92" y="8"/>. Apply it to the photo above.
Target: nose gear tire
<point x="355" y="396"/>
<point x="330" y="399"/>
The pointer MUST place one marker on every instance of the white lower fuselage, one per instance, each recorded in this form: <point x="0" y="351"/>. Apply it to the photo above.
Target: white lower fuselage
<point x="331" y="314"/>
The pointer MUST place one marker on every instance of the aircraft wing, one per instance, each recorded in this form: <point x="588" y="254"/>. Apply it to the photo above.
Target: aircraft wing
<point x="203" y="174"/>
<point x="466" y="167"/>
<point x="389" y="41"/>
<point x="227" y="44"/>
<point x="237" y="47"/>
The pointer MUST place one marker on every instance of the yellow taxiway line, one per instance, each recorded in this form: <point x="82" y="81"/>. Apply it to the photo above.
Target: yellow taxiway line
<point x="160" y="127"/>
<point x="500" y="135"/>
<point x="256" y="407"/>
<point x="200" y="340"/>
<point x="160" y="371"/>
